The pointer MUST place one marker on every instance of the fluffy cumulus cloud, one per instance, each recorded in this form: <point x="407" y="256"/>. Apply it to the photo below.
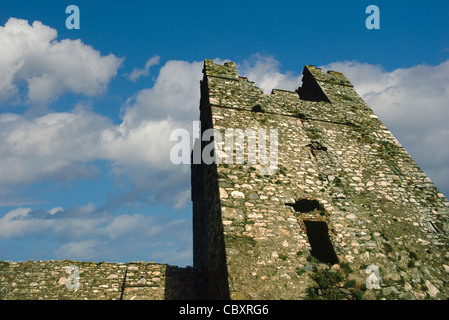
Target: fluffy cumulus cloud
<point x="63" y="146"/>
<point x="137" y="73"/>
<point x="60" y="146"/>
<point x="70" y="224"/>
<point x="31" y="54"/>
<point x="414" y="104"/>
<point x="140" y="146"/>
<point x="55" y="146"/>
<point x="264" y="71"/>
<point x="175" y="95"/>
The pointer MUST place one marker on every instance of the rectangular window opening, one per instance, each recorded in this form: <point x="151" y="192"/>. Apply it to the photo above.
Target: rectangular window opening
<point x="322" y="248"/>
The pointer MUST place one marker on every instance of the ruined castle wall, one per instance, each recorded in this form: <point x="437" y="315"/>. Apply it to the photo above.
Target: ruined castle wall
<point x="378" y="206"/>
<point x="55" y="280"/>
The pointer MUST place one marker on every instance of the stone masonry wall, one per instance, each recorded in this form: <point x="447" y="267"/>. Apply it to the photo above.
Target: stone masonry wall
<point x="338" y="164"/>
<point x="50" y="280"/>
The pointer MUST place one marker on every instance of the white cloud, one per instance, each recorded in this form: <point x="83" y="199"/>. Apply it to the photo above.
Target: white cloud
<point x="135" y="224"/>
<point x="61" y="146"/>
<point x="140" y="146"/>
<point x="137" y="73"/>
<point x="86" y="250"/>
<point x="182" y="199"/>
<point x="56" y="210"/>
<point x="12" y="197"/>
<point x="175" y="257"/>
<point x="264" y="71"/>
<point x="16" y="214"/>
<point x="50" y="67"/>
<point x="144" y="145"/>
<point x="77" y="222"/>
<point x="86" y="233"/>
<point x="15" y="223"/>
<point x="175" y="95"/>
<point x="54" y="146"/>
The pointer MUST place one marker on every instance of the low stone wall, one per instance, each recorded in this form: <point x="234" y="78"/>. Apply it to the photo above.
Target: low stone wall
<point x="74" y="280"/>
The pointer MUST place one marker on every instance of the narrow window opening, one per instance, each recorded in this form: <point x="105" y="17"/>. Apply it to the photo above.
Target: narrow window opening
<point x="316" y="148"/>
<point x="257" y="108"/>
<point x="432" y="227"/>
<point x="306" y="206"/>
<point x="315" y="145"/>
<point x="322" y="248"/>
<point x="301" y="115"/>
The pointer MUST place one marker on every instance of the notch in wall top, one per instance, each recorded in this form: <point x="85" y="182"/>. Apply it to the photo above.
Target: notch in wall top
<point x="306" y="205"/>
<point x="331" y="76"/>
<point x="313" y="69"/>
<point x="311" y="89"/>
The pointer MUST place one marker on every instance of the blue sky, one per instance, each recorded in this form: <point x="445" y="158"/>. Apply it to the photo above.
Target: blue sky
<point x="85" y="114"/>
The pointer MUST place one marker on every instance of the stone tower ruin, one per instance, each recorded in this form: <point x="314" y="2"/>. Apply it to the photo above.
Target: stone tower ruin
<point x="296" y="195"/>
<point x="345" y="212"/>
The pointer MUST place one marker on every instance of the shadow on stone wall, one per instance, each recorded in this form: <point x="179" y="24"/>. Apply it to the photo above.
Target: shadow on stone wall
<point x="184" y="284"/>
